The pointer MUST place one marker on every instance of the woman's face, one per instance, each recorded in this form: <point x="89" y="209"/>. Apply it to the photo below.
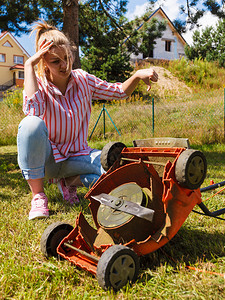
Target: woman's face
<point x="56" y="61"/>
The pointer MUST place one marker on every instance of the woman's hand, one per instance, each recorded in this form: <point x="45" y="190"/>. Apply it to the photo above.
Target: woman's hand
<point x="145" y="75"/>
<point x="44" y="47"/>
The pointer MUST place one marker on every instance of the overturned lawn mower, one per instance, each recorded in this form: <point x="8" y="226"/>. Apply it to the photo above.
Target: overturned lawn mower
<point x="138" y="206"/>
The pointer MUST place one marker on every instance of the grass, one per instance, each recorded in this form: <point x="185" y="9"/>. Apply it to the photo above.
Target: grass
<point x="26" y="274"/>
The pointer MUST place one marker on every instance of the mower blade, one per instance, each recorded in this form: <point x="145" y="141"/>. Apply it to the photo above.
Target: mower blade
<point x="128" y="207"/>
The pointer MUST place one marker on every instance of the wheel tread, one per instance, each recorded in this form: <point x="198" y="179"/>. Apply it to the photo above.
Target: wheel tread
<point x="181" y="168"/>
<point x="48" y="233"/>
<point x="106" y="262"/>
<point x="109" y="154"/>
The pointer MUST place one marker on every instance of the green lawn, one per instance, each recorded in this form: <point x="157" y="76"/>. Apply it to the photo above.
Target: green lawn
<point x="26" y="274"/>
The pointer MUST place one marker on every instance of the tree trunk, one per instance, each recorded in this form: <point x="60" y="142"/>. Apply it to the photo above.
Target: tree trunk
<point x="71" y="25"/>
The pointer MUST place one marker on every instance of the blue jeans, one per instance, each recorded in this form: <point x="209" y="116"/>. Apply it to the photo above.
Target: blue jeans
<point x="36" y="159"/>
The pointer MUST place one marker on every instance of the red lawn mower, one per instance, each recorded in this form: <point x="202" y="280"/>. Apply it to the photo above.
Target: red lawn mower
<point x="137" y="206"/>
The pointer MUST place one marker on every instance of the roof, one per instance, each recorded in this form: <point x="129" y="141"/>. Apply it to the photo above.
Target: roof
<point x="161" y="11"/>
<point x="17" y="67"/>
<point x="2" y="34"/>
<point x="5" y="33"/>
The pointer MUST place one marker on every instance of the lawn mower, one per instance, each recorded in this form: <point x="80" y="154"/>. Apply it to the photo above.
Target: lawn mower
<point x="138" y="205"/>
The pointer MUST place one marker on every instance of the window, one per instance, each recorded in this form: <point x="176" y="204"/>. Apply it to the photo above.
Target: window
<point x="2" y="57"/>
<point x="7" y="44"/>
<point x="21" y="74"/>
<point x="168" y="46"/>
<point x="18" y="59"/>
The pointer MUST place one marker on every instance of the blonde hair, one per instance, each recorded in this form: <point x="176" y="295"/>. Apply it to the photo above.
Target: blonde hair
<point x="50" y="32"/>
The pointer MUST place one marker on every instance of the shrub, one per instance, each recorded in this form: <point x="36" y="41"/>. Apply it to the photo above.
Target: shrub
<point x="13" y="98"/>
<point x="198" y="73"/>
<point x="10" y="116"/>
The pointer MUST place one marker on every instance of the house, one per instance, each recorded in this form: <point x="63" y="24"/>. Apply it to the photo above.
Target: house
<point x="12" y="59"/>
<point x="170" y="46"/>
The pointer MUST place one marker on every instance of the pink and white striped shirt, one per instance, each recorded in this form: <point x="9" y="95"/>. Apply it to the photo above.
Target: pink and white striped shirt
<point x="67" y="117"/>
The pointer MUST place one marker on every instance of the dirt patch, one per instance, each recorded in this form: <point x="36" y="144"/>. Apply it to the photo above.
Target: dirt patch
<point x="169" y="85"/>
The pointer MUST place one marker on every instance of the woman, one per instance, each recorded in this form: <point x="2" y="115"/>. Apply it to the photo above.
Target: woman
<point x="52" y="139"/>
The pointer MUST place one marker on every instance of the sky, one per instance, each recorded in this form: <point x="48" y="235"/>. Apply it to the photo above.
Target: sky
<point x="171" y="8"/>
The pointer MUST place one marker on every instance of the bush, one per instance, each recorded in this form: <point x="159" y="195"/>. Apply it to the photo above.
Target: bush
<point x="13" y="98"/>
<point x="10" y="116"/>
<point x="198" y="73"/>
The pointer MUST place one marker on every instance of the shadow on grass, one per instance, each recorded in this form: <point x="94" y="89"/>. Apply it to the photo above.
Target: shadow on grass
<point x="11" y="178"/>
<point x="215" y="158"/>
<point x="212" y="157"/>
<point x="8" y="161"/>
<point x="189" y="246"/>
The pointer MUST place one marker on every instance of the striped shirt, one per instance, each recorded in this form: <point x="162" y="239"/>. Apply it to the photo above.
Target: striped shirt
<point x="67" y="116"/>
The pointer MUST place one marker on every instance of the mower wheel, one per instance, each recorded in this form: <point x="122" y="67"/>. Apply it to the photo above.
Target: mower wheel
<point x="110" y="153"/>
<point x="52" y="237"/>
<point x="117" y="266"/>
<point x="190" y="169"/>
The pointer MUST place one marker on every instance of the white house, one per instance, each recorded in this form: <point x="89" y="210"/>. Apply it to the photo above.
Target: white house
<point x="170" y="46"/>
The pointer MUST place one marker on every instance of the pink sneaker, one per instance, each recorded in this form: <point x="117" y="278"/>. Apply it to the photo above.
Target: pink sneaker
<point x="39" y="207"/>
<point x="69" y="193"/>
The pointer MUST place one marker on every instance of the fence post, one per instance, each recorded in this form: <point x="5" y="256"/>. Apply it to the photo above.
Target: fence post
<point x="104" y="120"/>
<point x="153" y="117"/>
<point x="224" y="115"/>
